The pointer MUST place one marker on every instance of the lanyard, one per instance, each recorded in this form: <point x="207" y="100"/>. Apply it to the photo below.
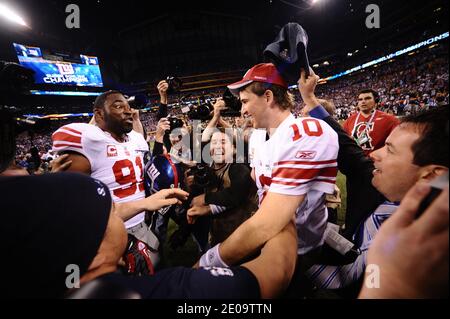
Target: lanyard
<point x="368" y="123"/>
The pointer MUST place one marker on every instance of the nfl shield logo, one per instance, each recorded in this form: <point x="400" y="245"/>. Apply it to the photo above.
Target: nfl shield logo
<point x="111" y="151"/>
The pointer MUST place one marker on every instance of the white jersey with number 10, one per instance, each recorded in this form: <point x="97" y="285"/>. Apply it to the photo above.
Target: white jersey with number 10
<point x="300" y="158"/>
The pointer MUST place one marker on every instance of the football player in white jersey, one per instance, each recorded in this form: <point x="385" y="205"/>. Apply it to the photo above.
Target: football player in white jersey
<point x="294" y="165"/>
<point x="113" y="153"/>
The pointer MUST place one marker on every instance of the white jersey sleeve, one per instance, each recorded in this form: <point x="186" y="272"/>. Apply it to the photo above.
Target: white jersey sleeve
<point x="77" y="137"/>
<point x="119" y="165"/>
<point x="305" y="158"/>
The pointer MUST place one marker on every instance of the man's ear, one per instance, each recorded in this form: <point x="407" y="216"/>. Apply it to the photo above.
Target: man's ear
<point x="268" y="95"/>
<point x="430" y="172"/>
<point x="99" y="115"/>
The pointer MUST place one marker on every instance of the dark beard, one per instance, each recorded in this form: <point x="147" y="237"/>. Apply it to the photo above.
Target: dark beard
<point x="116" y="127"/>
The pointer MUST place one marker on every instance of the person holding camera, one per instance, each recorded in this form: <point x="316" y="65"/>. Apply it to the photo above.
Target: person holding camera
<point x="178" y="135"/>
<point x="229" y="197"/>
<point x="216" y="121"/>
<point x="242" y="129"/>
<point x="172" y="134"/>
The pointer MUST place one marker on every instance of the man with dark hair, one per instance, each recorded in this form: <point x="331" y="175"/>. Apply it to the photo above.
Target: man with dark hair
<point x="369" y="127"/>
<point x="112" y="152"/>
<point x="415" y="151"/>
<point x="294" y="166"/>
<point x="411" y="250"/>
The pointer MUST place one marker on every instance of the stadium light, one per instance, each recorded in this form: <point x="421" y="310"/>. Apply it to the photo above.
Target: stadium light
<point x="11" y="15"/>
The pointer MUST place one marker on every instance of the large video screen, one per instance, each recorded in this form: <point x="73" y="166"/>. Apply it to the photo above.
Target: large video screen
<point x="60" y="72"/>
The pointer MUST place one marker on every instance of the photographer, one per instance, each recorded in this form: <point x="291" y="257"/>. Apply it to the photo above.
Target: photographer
<point x="161" y="139"/>
<point x="216" y="121"/>
<point x="172" y="134"/>
<point x="242" y="130"/>
<point x="178" y="138"/>
<point x="163" y="86"/>
<point x="230" y="195"/>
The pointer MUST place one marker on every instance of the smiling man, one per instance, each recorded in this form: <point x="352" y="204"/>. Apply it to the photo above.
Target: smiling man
<point x="113" y="153"/>
<point x="294" y="166"/>
<point x="415" y="151"/>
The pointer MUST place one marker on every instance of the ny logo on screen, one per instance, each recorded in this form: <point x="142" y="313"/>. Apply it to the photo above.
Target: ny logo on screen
<point x="65" y="68"/>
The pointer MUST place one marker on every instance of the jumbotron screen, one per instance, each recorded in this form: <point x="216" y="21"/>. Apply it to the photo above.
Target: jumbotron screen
<point x="60" y="72"/>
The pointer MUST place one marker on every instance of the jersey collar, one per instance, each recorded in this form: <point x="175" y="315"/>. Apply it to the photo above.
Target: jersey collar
<point x="287" y="121"/>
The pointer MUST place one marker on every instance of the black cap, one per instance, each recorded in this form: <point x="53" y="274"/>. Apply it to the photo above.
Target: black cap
<point x="48" y="223"/>
<point x="288" y="52"/>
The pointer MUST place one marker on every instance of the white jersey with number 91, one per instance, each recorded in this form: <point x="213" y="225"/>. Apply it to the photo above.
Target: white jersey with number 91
<point x="119" y="165"/>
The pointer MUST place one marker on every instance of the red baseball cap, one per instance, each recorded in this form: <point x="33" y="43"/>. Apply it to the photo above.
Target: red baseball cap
<point x="264" y="72"/>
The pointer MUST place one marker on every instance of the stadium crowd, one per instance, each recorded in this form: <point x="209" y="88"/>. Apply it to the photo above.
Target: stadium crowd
<point x="405" y="85"/>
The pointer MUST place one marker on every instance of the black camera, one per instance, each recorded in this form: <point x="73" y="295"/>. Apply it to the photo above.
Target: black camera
<point x="201" y="112"/>
<point x="175" y="84"/>
<point x="138" y="101"/>
<point x="233" y="105"/>
<point x="203" y="176"/>
<point x="175" y="123"/>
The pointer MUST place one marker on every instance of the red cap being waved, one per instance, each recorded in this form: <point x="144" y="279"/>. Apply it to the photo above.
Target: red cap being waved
<point x="264" y="72"/>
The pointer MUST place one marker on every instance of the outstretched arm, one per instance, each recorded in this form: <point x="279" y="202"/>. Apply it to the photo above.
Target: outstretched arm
<point x="268" y="221"/>
<point x="351" y="158"/>
<point x="275" y="266"/>
<point x="212" y="125"/>
<point x="159" y="200"/>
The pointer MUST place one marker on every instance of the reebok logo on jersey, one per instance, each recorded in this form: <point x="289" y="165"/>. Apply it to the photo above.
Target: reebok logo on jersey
<point x="306" y="155"/>
<point x="111" y="151"/>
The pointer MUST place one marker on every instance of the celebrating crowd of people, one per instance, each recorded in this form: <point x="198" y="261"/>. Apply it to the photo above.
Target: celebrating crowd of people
<point x="253" y="190"/>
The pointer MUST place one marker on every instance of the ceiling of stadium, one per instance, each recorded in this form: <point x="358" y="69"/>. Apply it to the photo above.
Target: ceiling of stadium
<point x="119" y="31"/>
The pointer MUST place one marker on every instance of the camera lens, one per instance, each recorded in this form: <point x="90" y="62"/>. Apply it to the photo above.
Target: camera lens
<point x="174" y="84"/>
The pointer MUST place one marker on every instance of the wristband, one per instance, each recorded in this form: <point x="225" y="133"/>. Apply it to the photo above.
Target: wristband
<point x="319" y="112"/>
<point x="212" y="258"/>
